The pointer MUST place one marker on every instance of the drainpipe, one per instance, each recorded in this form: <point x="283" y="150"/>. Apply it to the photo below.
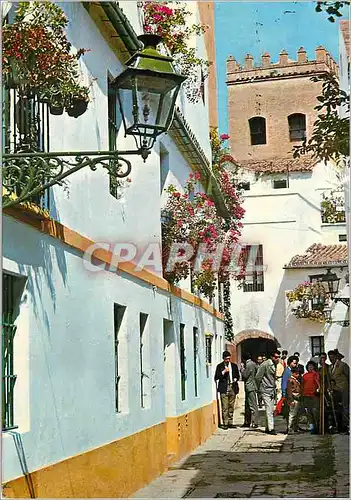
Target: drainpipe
<point x="122" y="25"/>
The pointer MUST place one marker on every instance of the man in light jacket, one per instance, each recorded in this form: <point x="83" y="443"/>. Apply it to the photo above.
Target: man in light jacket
<point x="248" y="373"/>
<point x="266" y="384"/>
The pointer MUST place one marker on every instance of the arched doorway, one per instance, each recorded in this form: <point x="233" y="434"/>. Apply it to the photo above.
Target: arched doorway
<point x="258" y="347"/>
<point x="255" y="342"/>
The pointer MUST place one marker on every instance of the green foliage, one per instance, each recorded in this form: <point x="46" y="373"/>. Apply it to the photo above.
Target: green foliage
<point x="331" y="8"/>
<point x="170" y="21"/>
<point x="37" y="56"/>
<point x="331" y="132"/>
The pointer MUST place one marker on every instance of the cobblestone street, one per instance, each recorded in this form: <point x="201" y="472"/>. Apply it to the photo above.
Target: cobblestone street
<point x="241" y="463"/>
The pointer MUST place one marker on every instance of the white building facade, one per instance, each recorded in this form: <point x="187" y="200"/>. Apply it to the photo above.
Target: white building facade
<point x="113" y="370"/>
<point x="287" y="232"/>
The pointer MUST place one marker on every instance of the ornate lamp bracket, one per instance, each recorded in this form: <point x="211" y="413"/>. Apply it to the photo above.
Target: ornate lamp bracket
<point x="27" y="174"/>
<point x="344" y="300"/>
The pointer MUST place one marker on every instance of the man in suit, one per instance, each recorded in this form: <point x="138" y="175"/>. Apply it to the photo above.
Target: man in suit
<point x="300" y="367"/>
<point x="227" y="375"/>
<point x="283" y="358"/>
<point x="340" y="383"/>
<point x="248" y="373"/>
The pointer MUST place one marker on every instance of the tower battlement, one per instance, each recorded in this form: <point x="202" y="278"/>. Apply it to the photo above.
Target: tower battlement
<point x="284" y="68"/>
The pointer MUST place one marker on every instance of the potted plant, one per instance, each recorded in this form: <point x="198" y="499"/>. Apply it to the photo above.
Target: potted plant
<point x="37" y="56"/>
<point x="56" y="105"/>
<point x="78" y="100"/>
<point x="170" y="20"/>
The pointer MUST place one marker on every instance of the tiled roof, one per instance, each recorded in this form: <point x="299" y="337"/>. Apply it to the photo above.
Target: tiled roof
<point x="277" y="165"/>
<point x="319" y="255"/>
<point x="345" y="29"/>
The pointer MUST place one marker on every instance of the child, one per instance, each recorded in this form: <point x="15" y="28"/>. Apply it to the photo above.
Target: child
<point x="293" y="393"/>
<point x="310" y="391"/>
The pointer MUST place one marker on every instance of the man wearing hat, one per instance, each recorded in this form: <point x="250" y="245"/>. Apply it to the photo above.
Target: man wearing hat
<point x="340" y="381"/>
<point x="227" y="374"/>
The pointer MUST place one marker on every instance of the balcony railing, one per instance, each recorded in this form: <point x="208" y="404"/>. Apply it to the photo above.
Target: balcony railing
<point x="26" y="130"/>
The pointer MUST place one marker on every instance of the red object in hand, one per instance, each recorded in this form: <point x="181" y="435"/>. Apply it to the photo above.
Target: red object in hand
<point x="279" y="407"/>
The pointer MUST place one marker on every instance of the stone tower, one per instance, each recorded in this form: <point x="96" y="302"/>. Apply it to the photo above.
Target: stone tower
<point x="271" y="105"/>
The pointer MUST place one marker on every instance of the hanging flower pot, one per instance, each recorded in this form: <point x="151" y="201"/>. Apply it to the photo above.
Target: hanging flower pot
<point x="25" y="114"/>
<point x="36" y="54"/>
<point x="56" y="109"/>
<point x="77" y="107"/>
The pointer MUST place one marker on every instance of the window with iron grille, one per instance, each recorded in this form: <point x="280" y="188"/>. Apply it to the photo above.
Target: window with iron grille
<point x="252" y="262"/>
<point x="182" y="361"/>
<point x="297" y="127"/>
<point x="196" y="350"/>
<point x="317" y="345"/>
<point x="280" y="183"/>
<point x="142" y="324"/>
<point x="12" y="292"/>
<point x="26" y="128"/>
<point x="114" y="124"/>
<point x="258" y="130"/>
<point x="208" y="347"/>
<point x="118" y="314"/>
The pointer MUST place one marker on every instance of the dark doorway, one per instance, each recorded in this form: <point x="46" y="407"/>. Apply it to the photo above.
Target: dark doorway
<point x="258" y="346"/>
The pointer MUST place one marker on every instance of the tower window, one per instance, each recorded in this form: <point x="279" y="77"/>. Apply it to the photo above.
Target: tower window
<point x="297" y="127"/>
<point x="258" y="130"/>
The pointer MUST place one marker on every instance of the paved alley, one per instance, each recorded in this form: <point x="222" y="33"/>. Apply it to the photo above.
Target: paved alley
<point x="241" y="463"/>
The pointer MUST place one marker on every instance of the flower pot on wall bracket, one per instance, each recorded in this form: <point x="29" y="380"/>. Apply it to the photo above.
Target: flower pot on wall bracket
<point x="77" y="107"/>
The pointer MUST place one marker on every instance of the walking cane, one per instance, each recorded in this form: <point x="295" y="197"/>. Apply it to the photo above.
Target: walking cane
<point x="333" y="409"/>
<point x="321" y="405"/>
<point x="218" y="406"/>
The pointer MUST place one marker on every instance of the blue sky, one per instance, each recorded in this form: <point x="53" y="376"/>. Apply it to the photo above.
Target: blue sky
<point x="258" y="27"/>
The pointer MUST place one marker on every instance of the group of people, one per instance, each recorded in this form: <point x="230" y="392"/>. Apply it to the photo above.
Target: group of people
<point x="320" y="390"/>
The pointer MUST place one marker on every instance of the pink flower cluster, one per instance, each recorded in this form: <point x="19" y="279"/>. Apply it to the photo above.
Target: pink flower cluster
<point x="224" y="137"/>
<point x="195" y="220"/>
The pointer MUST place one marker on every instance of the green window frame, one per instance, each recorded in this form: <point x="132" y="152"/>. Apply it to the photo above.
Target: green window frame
<point x="196" y="351"/>
<point x="142" y="324"/>
<point x="118" y="314"/>
<point x="182" y="361"/>
<point x="8" y="334"/>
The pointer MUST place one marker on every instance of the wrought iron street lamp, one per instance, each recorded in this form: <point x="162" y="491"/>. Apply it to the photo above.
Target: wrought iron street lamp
<point x="151" y="85"/>
<point x="147" y="91"/>
<point x="331" y="282"/>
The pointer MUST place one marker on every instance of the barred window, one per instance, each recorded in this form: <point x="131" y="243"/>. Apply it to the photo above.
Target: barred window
<point x="258" y="130"/>
<point x="12" y="290"/>
<point x="297" y="126"/>
<point x="317" y="345"/>
<point x="26" y="128"/>
<point x="182" y="361"/>
<point x="252" y="263"/>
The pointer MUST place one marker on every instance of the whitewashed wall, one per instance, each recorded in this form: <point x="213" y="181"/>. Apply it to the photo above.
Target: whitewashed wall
<point x="64" y="353"/>
<point x="64" y="345"/>
<point x="286" y="222"/>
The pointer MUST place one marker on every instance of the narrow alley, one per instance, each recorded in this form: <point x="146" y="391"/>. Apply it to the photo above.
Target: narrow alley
<point x="241" y="463"/>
